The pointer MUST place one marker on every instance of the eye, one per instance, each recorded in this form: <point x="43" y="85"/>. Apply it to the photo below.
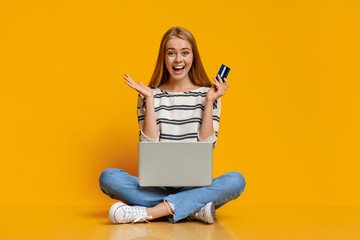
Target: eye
<point x="170" y="53"/>
<point x="186" y="53"/>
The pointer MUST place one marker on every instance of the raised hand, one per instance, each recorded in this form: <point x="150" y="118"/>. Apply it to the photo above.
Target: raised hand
<point x="217" y="89"/>
<point x="139" y="87"/>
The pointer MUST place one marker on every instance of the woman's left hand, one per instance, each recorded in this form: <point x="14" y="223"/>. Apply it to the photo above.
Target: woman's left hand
<point x="217" y="89"/>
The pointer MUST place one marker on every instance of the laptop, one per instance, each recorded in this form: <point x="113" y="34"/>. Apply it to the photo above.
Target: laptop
<point x="175" y="164"/>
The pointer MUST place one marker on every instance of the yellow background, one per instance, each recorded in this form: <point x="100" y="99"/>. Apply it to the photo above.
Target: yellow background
<point x="289" y="121"/>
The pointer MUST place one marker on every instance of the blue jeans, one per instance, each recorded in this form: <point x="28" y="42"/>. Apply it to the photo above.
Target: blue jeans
<point x="183" y="200"/>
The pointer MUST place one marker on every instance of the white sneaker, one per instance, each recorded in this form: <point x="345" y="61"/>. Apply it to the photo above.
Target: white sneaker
<point x="122" y="213"/>
<point x="205" y="214"/>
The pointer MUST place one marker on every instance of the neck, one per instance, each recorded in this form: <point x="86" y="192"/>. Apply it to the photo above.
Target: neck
<point x="179" y="85"/>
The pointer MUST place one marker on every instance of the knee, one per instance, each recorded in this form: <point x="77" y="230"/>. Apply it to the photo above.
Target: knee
<point x="237" y="182"/>
<point x="107" y="176"/>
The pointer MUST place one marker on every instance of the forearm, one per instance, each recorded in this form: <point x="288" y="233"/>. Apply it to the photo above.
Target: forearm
<point x="150" y="127"/>
<point x="207" y="128"/>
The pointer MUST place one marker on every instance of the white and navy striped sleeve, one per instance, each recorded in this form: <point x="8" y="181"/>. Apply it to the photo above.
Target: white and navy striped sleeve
<point x="141" y="117"/>
<point x="216" y="121"/>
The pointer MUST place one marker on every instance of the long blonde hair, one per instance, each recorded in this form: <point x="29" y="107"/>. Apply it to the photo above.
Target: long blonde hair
<point x="197" y="72"/>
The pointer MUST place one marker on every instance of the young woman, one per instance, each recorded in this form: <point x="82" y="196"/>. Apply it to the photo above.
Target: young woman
<point x="180" y="104"/>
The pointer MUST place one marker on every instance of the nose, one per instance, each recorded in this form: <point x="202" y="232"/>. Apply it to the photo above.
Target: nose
<point x="178" y="58"/>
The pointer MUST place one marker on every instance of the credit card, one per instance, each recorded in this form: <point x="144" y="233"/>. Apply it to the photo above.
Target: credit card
<point x="223" y="72"/>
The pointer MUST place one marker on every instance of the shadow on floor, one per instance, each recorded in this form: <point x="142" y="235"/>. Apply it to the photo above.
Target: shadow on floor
<point x="166" y="230"/>
<point x="158" y="229"/>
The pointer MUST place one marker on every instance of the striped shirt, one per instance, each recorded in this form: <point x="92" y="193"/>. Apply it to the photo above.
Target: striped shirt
<point x="179" y="115"/>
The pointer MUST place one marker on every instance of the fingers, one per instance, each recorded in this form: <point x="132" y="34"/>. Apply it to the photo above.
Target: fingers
<point x="132" y="85"/>
<point x="221" y="87"/>
<point x="128" y="78"/>
<point x="216" y="83"/>
<point x="218" y="78"/>
<point x="139" y="87"/>
<point x="130" y="82"/>
<point x="226" y="83"/>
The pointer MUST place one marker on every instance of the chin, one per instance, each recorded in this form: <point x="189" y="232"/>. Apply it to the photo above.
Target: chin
<point x="178" y="77"/>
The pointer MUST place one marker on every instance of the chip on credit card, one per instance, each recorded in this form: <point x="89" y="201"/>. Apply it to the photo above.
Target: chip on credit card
<point x="223" y="72"/>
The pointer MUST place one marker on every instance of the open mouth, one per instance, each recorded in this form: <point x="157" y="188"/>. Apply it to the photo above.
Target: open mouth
<point x="178" y="69"/>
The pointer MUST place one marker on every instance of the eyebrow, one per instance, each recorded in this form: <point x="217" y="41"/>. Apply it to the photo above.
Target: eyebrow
<point x="181" y="49"/>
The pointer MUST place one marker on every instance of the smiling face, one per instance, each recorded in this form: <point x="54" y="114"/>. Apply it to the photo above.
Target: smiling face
<point x="178" y="58"/>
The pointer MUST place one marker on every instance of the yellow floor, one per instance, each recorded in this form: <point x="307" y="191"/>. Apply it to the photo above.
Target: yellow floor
<point x="233" y="222"/>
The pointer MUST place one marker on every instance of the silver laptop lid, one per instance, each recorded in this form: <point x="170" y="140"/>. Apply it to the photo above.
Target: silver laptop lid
<point x="175" y="163"/>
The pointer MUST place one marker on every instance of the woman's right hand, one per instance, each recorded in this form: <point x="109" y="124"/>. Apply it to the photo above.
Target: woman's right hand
<point x="139" y="87"/>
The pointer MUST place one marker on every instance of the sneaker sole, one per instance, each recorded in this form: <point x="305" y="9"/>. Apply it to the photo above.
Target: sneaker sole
<point x="113" y="210"/>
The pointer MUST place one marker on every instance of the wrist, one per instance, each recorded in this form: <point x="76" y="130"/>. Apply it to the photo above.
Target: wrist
<point x="149" y="99"/>
<point x="149" y="96"/>
<point x="209" y="97"/>
<point x="209" y="102"/>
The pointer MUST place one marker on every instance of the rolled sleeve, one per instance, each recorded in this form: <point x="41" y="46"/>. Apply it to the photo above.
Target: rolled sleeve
<point x="143" y="137"/>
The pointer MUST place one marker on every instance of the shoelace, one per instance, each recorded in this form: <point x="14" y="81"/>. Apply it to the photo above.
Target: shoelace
<point x="136" y="214"/>
<point x="141" y="218"/>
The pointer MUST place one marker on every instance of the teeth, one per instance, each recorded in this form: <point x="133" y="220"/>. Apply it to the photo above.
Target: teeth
<point x="178" y="67"/>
